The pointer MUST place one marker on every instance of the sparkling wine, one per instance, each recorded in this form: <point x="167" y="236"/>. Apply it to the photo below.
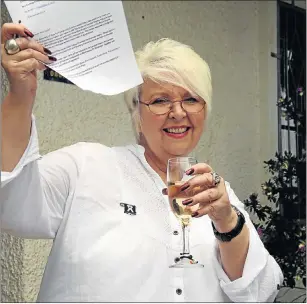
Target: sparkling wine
<point x="176" y="197"/>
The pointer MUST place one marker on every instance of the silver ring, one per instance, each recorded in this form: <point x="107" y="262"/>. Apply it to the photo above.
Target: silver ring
<point x="11" y="47"/>
<point x="215" y="178"/>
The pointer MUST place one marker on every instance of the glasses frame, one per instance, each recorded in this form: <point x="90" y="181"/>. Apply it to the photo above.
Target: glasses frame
<point x="172" y="105"/>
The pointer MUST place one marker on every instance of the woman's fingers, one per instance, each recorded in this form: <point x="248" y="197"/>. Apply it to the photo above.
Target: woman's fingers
<point x="29" y="65"/>
<point x="204" y="197"/>
<point x="31" y="53"/>
<point x="200" y="168"/>
<point x="197" y="184"/>
<point x="26" y="60"/>
<point x="25" y="43"/>
<point x="9" y="30"/>
<point x="30" y="49"/>
<point x="211" y="210"/>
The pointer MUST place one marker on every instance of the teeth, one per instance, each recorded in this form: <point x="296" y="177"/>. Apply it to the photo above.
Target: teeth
<point x="177" y="130"/>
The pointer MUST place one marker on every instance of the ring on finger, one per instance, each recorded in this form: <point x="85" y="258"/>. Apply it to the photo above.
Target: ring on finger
<point x="11" y="47"/>
<point x="216" y="179"/>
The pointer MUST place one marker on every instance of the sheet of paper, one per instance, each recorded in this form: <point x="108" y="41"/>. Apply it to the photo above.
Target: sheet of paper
<point x="90" y="39"/>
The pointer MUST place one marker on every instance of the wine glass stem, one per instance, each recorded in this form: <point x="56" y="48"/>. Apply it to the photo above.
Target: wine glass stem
<point x="186" y="245"/>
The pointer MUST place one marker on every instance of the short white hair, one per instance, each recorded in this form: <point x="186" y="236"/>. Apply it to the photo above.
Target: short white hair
<point x="169" y="61"/>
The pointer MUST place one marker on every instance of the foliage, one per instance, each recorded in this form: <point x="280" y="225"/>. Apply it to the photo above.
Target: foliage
<point x="281" y="221"/>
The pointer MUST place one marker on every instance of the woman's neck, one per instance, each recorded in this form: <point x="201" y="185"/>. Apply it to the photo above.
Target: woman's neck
<point x="160" y="166"/>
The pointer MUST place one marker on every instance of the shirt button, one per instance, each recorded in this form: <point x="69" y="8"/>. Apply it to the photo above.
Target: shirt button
<point x="177" y="260"/>
<point x="179" y="291"/>
<point x="175" y="232"/>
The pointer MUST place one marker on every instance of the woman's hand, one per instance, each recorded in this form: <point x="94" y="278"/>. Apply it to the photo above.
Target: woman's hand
<point x="21" y="68"/>
<point x="211" y="199"/>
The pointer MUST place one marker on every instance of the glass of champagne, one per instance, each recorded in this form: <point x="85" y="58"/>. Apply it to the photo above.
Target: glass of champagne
<point x="176" y="177"/>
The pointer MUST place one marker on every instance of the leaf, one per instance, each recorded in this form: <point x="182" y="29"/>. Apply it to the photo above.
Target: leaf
<point x="285" y="192"/>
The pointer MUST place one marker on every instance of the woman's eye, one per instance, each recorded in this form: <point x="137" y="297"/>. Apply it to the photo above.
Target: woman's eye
<point x="160" y="101"/>
<point x="191" y="100"/>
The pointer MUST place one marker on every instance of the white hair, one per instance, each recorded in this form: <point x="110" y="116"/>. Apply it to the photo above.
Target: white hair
<point x="169" y="61"/>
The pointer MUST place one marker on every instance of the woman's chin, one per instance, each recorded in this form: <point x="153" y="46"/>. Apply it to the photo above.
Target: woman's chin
<point x="179" y="150"/>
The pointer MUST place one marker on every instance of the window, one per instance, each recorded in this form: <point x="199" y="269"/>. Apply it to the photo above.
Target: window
<point x="292" y="88"/>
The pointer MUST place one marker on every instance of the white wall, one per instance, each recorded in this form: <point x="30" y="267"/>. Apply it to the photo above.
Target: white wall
<point x="232" y="37"/>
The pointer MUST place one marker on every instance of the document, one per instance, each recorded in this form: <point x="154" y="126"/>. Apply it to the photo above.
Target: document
<point x="90" y="40"/>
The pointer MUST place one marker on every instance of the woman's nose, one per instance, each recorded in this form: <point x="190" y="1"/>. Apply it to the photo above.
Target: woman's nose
<point x="177" y="111"/>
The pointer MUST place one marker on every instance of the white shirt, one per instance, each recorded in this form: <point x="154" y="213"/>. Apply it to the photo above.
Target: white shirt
<point x="102" y="254"/>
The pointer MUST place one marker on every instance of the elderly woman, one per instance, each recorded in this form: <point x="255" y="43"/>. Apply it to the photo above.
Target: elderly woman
<point x="77" y="195"/>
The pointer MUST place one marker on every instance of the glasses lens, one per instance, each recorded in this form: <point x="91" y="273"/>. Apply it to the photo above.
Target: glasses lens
<point x="193" y="107"/>
<point x="160" y="108"/>
<point x="165" y="107"/>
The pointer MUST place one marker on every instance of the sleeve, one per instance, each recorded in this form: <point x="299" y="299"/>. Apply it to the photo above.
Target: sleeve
<point x="34" y="195"/>
<point x="261" y="274"/>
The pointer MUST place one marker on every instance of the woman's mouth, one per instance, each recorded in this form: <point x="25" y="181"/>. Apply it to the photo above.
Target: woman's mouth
<point x="177" y="132"/>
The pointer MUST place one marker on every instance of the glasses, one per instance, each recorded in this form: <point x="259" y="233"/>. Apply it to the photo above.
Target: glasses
<point x="161" y="106"/>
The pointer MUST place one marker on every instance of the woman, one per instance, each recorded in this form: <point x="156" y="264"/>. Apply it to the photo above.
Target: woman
<point x="76" y="195"/>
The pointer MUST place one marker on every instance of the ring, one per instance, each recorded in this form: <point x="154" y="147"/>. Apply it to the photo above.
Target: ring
<point x="216" y="178"/>
<point x="11" y="47"/>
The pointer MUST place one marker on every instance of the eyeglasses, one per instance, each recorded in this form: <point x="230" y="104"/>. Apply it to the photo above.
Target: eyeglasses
<point x="161" y="106"/>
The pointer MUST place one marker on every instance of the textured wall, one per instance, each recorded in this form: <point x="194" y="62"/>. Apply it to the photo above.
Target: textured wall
<point x="11" y="268"/>
<point x="231" y="36"/>
<point x="11" y="248"/>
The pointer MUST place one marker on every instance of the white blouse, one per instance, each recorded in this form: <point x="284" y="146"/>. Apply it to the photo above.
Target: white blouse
<point x="75" y="195"/>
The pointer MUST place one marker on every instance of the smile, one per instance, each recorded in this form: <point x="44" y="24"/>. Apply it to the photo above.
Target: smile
<point x="177" y="132"/>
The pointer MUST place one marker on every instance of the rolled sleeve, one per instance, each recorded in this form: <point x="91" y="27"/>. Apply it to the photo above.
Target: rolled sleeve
<point x="30" y="154"/>
<point x="261" y="274"/>
<point x="34" y="195"/>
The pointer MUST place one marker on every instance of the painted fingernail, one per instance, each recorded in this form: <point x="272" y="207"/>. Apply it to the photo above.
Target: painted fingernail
<point x="164" y="191"/>
<point x="195" y="214"/>
<point x="52" y="58"/>
<point x="28" y="33"/>
<point x="185" y="187"/>
<point x="47" y="51"/>
<point x="189" y="172"/>
<point x="187" y="201"/>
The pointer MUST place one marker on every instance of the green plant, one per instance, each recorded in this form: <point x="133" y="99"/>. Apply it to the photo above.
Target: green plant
<point x="281" y="224"/>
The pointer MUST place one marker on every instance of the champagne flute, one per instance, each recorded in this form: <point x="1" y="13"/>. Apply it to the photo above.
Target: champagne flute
<point x="176" y="177"/>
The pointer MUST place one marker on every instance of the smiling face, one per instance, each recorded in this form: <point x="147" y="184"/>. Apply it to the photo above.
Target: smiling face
<point x="173" y="134"/>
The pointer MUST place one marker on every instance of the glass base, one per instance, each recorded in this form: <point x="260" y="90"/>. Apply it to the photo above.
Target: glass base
<point x="186" y="262"/>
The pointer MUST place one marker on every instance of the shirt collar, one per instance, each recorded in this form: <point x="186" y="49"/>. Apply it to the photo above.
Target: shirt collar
<point x="139" y="151"/>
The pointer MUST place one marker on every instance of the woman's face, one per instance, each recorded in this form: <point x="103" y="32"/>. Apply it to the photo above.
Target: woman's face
<point x="161" y="131"/>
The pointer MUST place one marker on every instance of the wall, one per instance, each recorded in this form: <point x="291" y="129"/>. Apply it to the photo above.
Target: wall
<point x="230" y="35"/>
<point x="11" y="248"/>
